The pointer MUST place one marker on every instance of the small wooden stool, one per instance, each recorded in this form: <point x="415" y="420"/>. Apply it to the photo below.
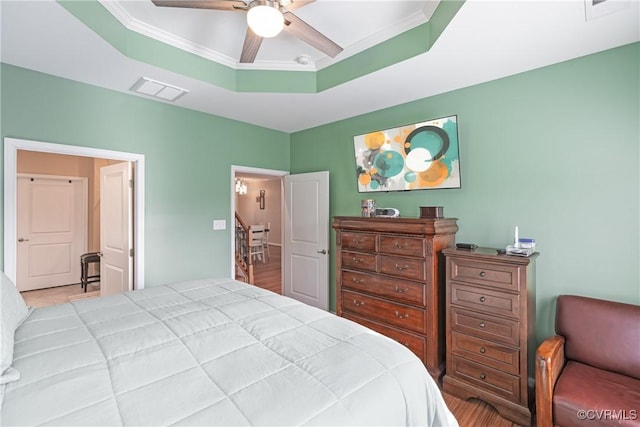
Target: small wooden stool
<point x="85" y="260"/>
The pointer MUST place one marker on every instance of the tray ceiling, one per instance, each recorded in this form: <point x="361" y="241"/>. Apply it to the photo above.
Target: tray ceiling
<point x="484" y="40"/>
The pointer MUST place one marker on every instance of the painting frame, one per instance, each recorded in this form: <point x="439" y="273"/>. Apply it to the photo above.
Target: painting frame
<point x="417" y="156"/>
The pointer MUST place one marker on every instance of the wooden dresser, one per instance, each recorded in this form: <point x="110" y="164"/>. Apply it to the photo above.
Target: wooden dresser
<point x="390" y="278"/>
<point x="490" y="330"/>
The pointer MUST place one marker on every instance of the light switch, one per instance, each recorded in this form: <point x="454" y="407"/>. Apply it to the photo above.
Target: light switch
<point x="219" y="224"/>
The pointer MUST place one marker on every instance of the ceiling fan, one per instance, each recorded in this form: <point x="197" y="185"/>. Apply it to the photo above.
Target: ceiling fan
<point x="265" y="18"/>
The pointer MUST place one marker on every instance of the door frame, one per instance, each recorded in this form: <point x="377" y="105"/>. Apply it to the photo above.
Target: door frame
<point x="232" y="191"/>
<point x="11" y="147"/>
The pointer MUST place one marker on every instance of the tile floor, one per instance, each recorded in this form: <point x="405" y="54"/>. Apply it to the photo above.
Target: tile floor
<point x="57" y="295"/>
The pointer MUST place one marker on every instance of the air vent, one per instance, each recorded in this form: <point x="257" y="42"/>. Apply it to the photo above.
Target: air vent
<point x="158" y="89"/>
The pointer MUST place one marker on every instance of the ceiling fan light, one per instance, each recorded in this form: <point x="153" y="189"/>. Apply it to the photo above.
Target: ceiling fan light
<point x="265" y="20"/>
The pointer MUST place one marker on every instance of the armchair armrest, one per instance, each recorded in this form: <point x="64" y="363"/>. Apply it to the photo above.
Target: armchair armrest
<point x="550" y="361"/>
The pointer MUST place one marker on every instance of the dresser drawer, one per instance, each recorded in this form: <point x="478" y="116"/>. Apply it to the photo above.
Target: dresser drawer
<point x="358" y="241"/>
<point x="400" y="245"/>
<point x="488" y="301"/>
<point x="485" y="326"/>
<point x="486" y="274"/>
<point x="400" y="290"/>
<point x="488" y="353"/>
<point x="358" y="260"/>
<point x="492" y="380"/>
<point x="415" y="343"/>
<point x="407" y="268"/>
<point x="386" y="311"/>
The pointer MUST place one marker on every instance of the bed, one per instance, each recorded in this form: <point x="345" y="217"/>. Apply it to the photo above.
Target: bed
<point x="205" y="352"/>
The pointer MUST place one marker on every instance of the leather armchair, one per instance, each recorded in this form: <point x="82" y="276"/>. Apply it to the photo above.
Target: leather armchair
<point x="589" y="372"/>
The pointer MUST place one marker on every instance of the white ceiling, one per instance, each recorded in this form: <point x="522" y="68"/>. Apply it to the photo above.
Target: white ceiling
<point x="486" y="40"/>
<point x="218" y="35"/>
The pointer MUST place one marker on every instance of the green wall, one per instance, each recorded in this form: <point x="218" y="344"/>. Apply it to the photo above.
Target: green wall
<point x="553" y="151"/>
<point x="188" y="158"/>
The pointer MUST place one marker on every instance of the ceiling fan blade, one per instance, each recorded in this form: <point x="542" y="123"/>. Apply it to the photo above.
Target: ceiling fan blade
<point x="310" y="35"/>
<point x="295" y="4"/>
<point x="250" y="47"/>
<point x="203" y="4"/>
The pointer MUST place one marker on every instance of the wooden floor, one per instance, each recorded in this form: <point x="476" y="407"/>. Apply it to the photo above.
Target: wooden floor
<point x="471" y="413"/>
<point x="475" y="413"/>
<point x="268" y="275"/>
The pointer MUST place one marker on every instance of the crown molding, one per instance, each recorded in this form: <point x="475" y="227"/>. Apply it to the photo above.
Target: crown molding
<point x="156" y="33"/>
<point x="140" y="27"/>
<point x="406" y="24"/>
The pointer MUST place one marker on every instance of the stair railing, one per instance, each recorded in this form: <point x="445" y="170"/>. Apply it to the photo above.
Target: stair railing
<point x="244" y="263"/>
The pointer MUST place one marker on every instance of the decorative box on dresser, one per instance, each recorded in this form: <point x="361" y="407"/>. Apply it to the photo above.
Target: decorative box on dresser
<point x="390" y="278"/>
<point x="490" y="329"/>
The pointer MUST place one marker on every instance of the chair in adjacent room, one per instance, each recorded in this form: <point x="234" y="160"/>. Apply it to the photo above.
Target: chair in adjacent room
<point x="85" y="261"/>
<point x="265" y="241"/>
<point x="256" y="247"/>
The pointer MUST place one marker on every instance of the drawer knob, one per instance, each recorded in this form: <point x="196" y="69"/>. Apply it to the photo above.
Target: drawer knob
<point x="401" y="267"/>
<point x="483" y="377"/>
<point x="358" y="241"/>
<point x="401" y="291"/>
<point x="401" y="245"/>
<point x="358" y="303"/>
<point x="482" y="299"/>
<point x="483" y="350"/>
<point x="482" y="324"/>
<point x="356" y="280"/>
<point x="401" y="315"/>
<point x="357" y="260"/>
<point x="482" y="274"/>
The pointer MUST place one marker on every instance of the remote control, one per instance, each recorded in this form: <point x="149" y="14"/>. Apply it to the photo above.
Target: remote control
<point x="466" y="246"/>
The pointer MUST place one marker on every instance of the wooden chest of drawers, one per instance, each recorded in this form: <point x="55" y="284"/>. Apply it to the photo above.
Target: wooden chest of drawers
<point x="490" y="305"/>
<point x="390" y="278"/>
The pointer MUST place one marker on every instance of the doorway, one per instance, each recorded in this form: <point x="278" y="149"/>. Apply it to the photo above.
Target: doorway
<point x="260" y="202"/>
<point x="11" y="148"/>
<point x="304" y="221"/>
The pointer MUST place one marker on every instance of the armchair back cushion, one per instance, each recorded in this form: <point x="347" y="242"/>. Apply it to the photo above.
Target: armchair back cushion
<point x="603" y="334"/>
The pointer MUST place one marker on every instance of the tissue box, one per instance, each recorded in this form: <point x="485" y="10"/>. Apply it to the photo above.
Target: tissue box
<point x="431" y="212"/>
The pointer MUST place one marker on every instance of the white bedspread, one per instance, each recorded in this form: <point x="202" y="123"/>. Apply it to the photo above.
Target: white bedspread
<point x="211" y="352"/>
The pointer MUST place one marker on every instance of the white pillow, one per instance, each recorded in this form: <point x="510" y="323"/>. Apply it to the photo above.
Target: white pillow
<point x="13" y="311"/>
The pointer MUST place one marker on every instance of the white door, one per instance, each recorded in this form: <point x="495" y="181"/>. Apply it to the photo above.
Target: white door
<point x="306" y="238"/>
<point x="116" y="230"/>
<point x="52" y="230"/>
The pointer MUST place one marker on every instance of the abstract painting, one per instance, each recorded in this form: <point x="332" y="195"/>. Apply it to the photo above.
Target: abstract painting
<point x="421" y="156"/>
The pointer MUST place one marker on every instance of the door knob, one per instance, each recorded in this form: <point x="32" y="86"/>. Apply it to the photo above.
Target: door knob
<point x="323" y="252"/>
<point x="22" y="239"/>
